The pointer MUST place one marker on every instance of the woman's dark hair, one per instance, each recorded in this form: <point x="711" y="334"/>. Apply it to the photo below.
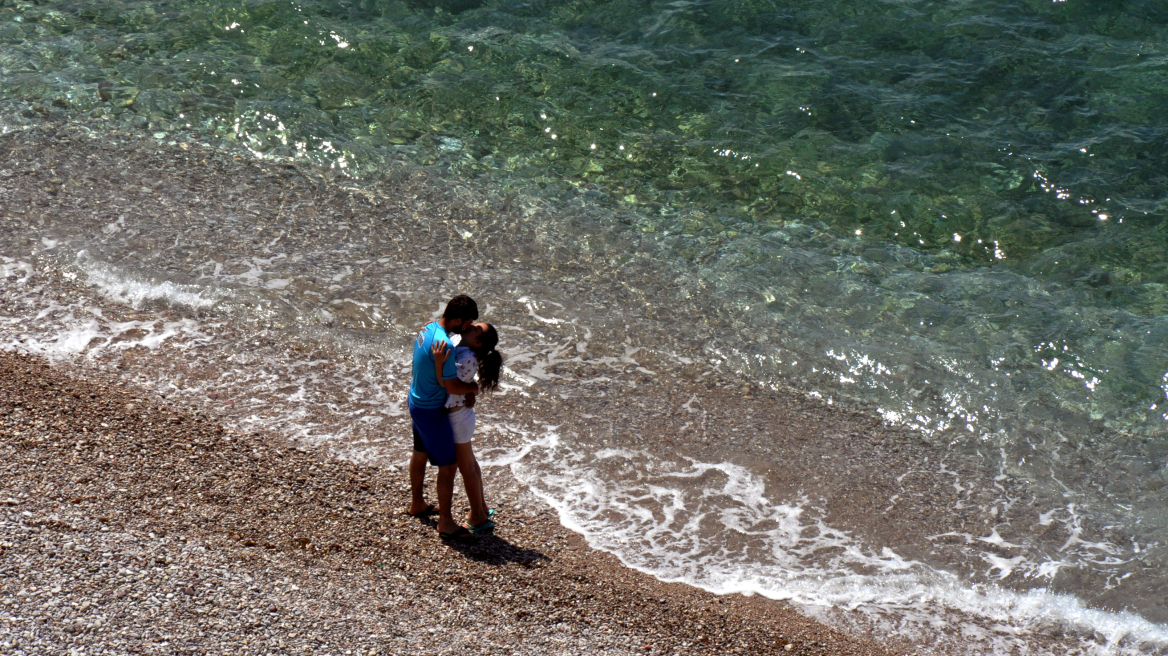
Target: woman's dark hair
<point x="490" y="360"/>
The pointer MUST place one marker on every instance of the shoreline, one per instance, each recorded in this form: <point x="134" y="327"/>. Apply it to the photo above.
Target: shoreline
<point x="188" y="512"/>
<point x="814" y="450"/>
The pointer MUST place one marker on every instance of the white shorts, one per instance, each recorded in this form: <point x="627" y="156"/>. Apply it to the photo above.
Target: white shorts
<point x="462" y="421"/>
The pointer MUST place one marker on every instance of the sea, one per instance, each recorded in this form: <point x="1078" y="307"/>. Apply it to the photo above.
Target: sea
<point x="945" y="219"/>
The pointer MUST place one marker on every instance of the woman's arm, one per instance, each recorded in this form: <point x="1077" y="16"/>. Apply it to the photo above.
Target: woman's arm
<point x="454" y="385"/>
<point x="440" y="353"/>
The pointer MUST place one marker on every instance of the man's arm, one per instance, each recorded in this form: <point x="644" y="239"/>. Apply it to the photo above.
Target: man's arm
<point x="456" y="386"/>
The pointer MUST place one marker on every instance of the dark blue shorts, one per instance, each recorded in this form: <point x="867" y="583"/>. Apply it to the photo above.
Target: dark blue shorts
<point x="432" y="432"/>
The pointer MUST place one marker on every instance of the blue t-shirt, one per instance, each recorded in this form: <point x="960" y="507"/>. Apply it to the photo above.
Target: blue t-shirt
<point x="425" y="392"/>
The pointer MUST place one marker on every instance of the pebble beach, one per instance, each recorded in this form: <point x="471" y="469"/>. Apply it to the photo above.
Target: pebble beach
<point x="133" y="525"/>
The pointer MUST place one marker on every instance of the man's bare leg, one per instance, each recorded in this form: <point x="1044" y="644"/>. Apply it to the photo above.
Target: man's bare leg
<point x="418" y="482"/>
<point x="446" y="523"/>
<point x="472" y="478"/>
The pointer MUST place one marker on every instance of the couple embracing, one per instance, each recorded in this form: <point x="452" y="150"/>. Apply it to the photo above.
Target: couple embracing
<point x="442" y="398"/>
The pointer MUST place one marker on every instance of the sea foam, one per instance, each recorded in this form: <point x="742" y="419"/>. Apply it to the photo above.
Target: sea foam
<point x="136" y="291"/>
<point x="730" y="537"/>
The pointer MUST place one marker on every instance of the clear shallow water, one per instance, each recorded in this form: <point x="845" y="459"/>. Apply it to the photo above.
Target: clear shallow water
<point x="289" y="305"/>
<point x="805" y="200"/>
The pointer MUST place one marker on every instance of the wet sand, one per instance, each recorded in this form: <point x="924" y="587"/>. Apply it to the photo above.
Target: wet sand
<point x="133" y="524"/>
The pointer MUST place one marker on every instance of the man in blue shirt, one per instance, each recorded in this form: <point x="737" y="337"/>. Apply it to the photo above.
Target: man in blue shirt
<point x="433" y="437"/>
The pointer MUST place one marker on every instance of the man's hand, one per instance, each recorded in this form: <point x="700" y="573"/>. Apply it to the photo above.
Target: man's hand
<point x="440" y="352"/>
<point x="470" y="400"/>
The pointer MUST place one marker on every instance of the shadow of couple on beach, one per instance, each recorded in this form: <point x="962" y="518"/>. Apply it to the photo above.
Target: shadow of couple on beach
<point x="490" y="549"/>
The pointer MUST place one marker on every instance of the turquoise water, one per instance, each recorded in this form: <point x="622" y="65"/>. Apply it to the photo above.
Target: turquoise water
<point x="952" y="212"/>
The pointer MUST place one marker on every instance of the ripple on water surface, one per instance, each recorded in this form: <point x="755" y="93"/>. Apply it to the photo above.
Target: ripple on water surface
<point x="926" y="216"/>
<point x="607" y="360"/>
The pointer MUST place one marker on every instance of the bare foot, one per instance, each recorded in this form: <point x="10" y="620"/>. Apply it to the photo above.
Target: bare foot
<point x="448" y="529"/>
<point x="422" y="510"/>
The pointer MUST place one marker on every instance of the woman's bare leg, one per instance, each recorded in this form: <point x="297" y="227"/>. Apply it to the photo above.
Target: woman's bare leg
<point x="482" y="488"/>
<point x="472" y="477"/>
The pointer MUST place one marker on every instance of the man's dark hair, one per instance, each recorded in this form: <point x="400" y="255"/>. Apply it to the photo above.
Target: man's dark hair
<point x="461" y="307"/>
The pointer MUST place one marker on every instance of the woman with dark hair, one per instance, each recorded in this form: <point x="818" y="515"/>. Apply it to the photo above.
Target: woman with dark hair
<point x="475" y="356"/>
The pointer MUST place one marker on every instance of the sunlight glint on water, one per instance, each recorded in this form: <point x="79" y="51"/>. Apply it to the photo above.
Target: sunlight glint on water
<point x="951" y="219"/>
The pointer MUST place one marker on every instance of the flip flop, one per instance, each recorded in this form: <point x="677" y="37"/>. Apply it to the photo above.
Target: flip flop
<point x="485" y="527"/>
<point x="461" y="535"/>
<point x="428" y="512"/>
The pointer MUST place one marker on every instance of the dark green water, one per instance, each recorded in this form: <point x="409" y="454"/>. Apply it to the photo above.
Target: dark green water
<point x="954" y="212"/>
